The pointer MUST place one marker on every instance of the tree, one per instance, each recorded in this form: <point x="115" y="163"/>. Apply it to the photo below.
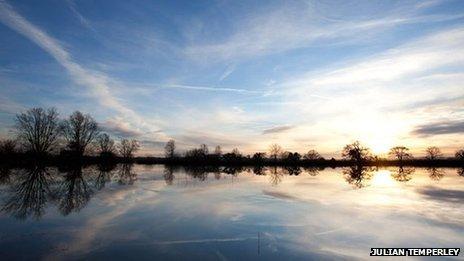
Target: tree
<point x="356" y="152"/>
<point x="259" y="156"/>
<point x="169" y="149"/>
<point x="400" y="153"/>
<point x="127" y="148"/>
<point x="105" y="145"/>
<point x="459" y="154"/>
<point x="218" y="151"/>
<point x="275" y="151"/>
<point x="312" y="155"/>
<point x="237" y="153"/>
<point x="79" y="130"/>
<point x="204" y="148"/>
<point x="38" y="130"/>
<point x="433" y="153"/>
<point x="7" y="147"/>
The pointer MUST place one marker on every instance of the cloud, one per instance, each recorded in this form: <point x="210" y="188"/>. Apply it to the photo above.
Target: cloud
<point x="120" y="128"/>
<point x="290" y="27"/>
<point x="278" y="129"/>
<point x="80" y="17"/>
<point x="97" y="83"/>
<point x="437" y="128"/>
<point x="445" y="195"/>
<point x="229" y="70"/>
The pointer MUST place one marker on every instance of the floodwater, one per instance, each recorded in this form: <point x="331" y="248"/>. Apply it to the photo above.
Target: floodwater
<point x="156" y="212"/>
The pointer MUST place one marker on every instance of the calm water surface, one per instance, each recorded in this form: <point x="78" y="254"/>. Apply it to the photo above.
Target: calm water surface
<point x="147" y="212"/>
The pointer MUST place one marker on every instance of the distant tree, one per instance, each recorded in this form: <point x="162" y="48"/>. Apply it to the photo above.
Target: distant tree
<point x="7" y="147"/>
<point x="312" y="155"/>
<point x="275" y="151"/>
<point x="218" y="151"/>
<point x="79" y="130"/>
<point x="38" y="129"/>
<point x="433" y="153"/>
<point x="170" y="149"/>
<point x="459" y="154"/>
<point x="204" y="148"/>
<point x="106" y="145"/>
<point x="236" y="152"/>
<point x="127" y="148"/>
<point x="356" y="152"/>
<point x="259" y="156"/>
<point x="292" y="156"/>
<point x="400" y="153"/>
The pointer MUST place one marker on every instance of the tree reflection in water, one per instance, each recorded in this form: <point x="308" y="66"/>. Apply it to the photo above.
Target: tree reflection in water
<point x="5" y="174"/>
<point x="126" y="175"/>
<point x="435" y="173"/>
<point x="358" y="175"/>
<point x="461" y="172"/>
<point x="74" y="192"/>
<point x="292" y="170"/>
<point x="403" y="174"/>
<point x="275" y="176"/>
<point x="168" y="174"/>
<point x="29" y="194"/>
<point x="104" y="175"/>
<point x="313" y="171"/>
<point x="259" y="170"/>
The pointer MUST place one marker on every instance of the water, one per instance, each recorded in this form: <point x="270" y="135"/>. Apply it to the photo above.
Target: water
<point x="147" y="212"/>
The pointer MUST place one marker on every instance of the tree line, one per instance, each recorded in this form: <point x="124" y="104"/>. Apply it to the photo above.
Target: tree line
<point x="39" y="133"/>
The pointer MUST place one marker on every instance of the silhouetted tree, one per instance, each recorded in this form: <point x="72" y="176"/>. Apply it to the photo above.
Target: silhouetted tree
<point x="433" y="153"/>
<point x="275" y="151"/>
<point x="127" y="148"/>
<point x="218" y="151"/>
<point x="169" y="149"/>
<point x="259" y="157"/>
<point x="292" y="156"/>
<point x="106" y="145"/>
<point x="38" y="130"/>
<point x="356" y="152"/>
<point x="459" y="154"/>
<point x="30" y="194"/>
<point x="400" y="153"/>
<point x="204" y="148"/>
<point x="7" y="147"/>
<point x="79" y="130"/>
<point x="312" y="155"/>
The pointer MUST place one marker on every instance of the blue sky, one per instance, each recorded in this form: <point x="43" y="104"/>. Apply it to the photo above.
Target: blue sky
<point x="304" y="74"/>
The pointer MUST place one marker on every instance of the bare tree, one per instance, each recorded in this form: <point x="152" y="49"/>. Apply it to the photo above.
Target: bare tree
<point x="169" y="149"/>
<point x="38" y="129"/>
<point x="236" y="152"/>
<point x="7" y="147"/>
<point x="312" y="155"/>
<point x="459" y="154"/>
<point x="204" y="148"/>
<point x="433" y="153"/>
<point x="105" y="144"/>
<point x="218" y="151"/>
<point x="275" y="151"/>
<point x="400" y="153"/>
<point x="79" y="130"/>
<point x="127" y="148"/>
<point x="356" y="152"/>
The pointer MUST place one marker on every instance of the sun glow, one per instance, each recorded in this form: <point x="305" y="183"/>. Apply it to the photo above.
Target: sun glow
<point x="382" y="178"/>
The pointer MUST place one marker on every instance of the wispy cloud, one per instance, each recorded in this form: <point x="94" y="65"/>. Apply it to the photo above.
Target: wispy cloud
<point x="438" y="128"/>
<point x="97" y="83"/>
<point x="86" y="23"/>
<point x="298" y="26"/>
<point x="278" y="129"/>
<point x="228" y="71"/>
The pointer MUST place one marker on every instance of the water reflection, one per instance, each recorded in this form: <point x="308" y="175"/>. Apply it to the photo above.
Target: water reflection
<point x="403" y="174"/>
<point x="358" y="175"/>
<point x="70" y="189"/>
<point x="29" y="193"/>
<point x="98" y="212"/>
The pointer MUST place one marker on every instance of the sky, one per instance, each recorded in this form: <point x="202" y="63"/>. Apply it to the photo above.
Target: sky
<point x="246" y="74"/>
